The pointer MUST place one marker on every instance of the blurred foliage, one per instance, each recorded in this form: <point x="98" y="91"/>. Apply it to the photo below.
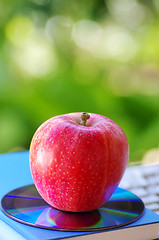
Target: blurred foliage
<point x="59" y="56"/>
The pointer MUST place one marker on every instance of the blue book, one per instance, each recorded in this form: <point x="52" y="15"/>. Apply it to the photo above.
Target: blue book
<point x="147" y="227"/>
<point x="15" y="172"/>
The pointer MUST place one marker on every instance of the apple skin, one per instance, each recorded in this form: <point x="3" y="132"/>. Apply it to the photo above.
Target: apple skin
<point x="74" y="167"/>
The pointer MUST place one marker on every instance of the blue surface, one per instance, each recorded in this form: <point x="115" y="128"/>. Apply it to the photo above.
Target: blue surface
<point x="14" y="173"/>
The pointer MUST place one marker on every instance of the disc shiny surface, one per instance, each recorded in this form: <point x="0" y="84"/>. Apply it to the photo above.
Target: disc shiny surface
<point x="26" y="206"/>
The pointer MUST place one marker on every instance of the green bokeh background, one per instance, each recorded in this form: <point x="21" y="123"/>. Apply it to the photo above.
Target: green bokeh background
<point x="60" y="56"/>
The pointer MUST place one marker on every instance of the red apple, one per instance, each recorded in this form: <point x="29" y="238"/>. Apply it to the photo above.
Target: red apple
<point x="77" y="160"/>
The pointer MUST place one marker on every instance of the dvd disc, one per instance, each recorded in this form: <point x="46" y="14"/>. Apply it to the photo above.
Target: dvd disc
<point x="26" y="206"/>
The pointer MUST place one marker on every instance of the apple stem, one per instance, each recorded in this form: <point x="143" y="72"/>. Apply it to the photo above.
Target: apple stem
<point x="84" y="118"/>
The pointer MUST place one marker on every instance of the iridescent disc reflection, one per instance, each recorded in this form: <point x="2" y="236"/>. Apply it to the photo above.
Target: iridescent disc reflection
<point x="26" y="206"/>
